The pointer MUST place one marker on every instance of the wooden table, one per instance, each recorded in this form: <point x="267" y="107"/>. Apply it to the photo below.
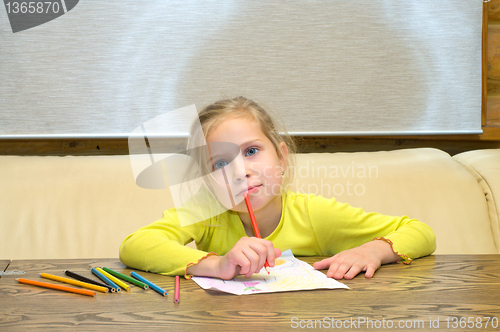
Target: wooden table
<point x="4" y="263"/>
<point x="445" y="288"/>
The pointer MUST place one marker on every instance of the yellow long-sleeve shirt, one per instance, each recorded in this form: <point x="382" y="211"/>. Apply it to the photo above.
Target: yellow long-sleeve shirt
<point x="310" y="225"/>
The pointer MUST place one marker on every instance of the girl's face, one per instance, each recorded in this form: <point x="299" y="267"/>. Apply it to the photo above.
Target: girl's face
<point x="255" y="170"/>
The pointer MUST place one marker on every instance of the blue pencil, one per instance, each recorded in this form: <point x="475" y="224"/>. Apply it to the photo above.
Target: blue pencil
<point x="114" y="287"/>
<point x="149" y="283"/>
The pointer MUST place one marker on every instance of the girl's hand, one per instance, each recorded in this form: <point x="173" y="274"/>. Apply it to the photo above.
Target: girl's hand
<point x="246" y="257"/>
<point x="367" y="257"/>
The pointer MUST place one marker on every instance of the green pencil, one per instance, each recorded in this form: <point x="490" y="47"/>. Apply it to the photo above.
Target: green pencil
<point x="126" y="278"/>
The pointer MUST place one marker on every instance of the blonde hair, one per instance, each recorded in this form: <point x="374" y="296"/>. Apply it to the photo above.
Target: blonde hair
<point x="240" y="107"/>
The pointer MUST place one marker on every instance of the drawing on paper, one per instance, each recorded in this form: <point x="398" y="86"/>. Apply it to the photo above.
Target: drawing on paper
<point x="289" y="274"/>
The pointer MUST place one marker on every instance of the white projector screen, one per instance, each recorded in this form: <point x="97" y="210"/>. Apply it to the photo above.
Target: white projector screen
<point x="358" y="67"/>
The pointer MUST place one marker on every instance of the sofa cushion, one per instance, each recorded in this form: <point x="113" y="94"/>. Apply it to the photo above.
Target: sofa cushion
<point x="71" y="207"/>
<point x="484" y="165"/>
<point x="426" y="184"/>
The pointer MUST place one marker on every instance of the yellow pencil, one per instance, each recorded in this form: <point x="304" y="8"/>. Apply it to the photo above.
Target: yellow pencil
<point x="74" y="282"/>
<point x="113" y="279"/>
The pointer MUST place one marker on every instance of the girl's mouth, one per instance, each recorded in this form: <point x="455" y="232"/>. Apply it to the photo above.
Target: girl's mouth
<point x="250" y="190"/>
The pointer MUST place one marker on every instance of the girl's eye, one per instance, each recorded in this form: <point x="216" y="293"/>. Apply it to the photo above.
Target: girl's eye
<point x="251" y="152"/>
<point x="219" y="164"/>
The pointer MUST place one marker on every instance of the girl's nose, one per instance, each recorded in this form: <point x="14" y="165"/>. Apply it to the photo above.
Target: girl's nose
<point x="242" y="171"/>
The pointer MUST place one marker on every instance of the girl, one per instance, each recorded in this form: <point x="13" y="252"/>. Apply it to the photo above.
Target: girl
<point x="309" y="225"/>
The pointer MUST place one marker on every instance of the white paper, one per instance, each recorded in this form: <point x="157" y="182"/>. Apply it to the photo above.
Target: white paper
<point x="289" y="274"/>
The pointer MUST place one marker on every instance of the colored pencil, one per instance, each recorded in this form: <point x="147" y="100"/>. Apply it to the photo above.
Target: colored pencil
<point x="126" y="278"/>
<point x="113" y="279"/>
<point x="57" y="287"/>
<point x="177" y="292"/>
<point x="87" y="280"/>
<point x="115" y="287"/>
<point x="74" y="282"/>
<point x="149" y="283"/>
<point x="255" y="227"/>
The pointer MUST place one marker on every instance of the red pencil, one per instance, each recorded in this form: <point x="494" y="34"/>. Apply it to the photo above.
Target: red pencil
<point x="255" y="227"/>
<point x="177" y="291"/>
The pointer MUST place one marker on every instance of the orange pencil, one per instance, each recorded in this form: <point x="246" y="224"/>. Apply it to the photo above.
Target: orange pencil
<point x="57" y="287"/>
<point x="255" y="227"/>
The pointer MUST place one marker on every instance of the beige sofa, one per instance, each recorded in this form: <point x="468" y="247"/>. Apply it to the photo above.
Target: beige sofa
<point x="83" y="207"/>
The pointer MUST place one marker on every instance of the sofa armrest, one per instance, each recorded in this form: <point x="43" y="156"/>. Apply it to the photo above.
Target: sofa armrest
<point x="484" y="165"/>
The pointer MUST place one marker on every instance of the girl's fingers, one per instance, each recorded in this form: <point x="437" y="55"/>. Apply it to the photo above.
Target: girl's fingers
<point x="324" y="263"/>
<point x="251" y="255"/>
<point x="338" y="269"/>
<point x="370" y="271"/>
<point x="277" y="253"/>
<point x="355" y="269"/>
<point x="349" y="269"/>
<point x="270" y="252"/>
<point x="349" y="263"/>
<point x="265" y="250"/>
<point x="257" y="253"/>
<point x="253" y="259"/>
<point x="240" y="261"/>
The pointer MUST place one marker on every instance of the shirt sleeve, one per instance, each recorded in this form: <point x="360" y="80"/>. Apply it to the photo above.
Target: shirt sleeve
<point x="160" y="246"/>
<point x="339" y="226"/>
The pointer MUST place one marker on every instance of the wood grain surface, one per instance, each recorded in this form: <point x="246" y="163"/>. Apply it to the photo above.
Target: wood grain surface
<point x="494" y="10"/>
<point x="453" y="144"/>
<point x="491" y="117"/>
<point x="4" y="263"/>
<point x="431" y="288"/>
